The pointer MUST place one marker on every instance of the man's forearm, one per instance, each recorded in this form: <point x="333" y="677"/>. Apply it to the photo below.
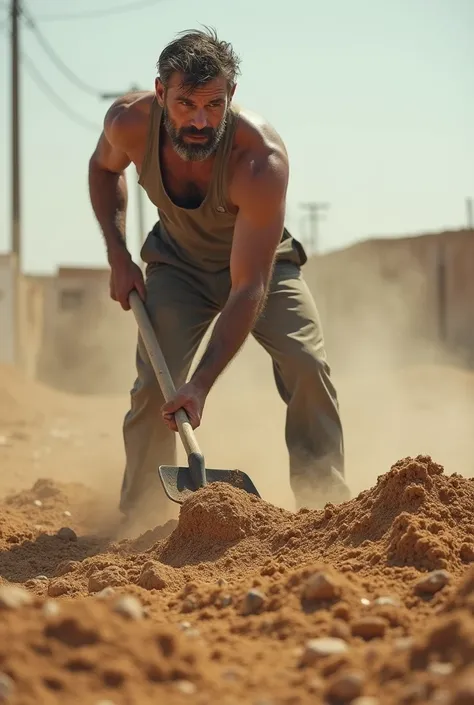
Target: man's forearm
<point x="233" y="326"/>
<point x="109" y="197"/>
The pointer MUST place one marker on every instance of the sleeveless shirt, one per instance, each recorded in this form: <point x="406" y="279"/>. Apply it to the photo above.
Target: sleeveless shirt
<point x="197" y="237"/>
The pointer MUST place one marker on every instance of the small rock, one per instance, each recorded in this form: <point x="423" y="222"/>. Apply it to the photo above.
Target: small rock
<point x="440" y="668"/>
<point x="340" y="630"/>
<point x="221" y="582"/>
<point x="320" y="648"/>
<point x="67" y="513"/>
<point x="369" y="627"/>
<point x="105" y="593"/>
<point x="320" y="586"/>
<point x="51" y="608"/>
<point x="7" y="687"/>
<point x="38" y="503"/>
<point x="403" y="643"/>
<point x="192" y="633"/>
<point x="224" y="600"/>
<point x="186" y="687"/>
<point x="346" y="686"/>
<point x="150" y="578"/>
<point x="66" y="534"/>
<point x="386" y="601"/>
<point x="365" y="602"/>
<point x="253" y="601"/>
<point x="185" y="625"/>
<point x="43" y="578"/>
<point x="433" y="582"/>
<point x="130" y="607"/>
<point x="12" y="597"/>
<point x="56" y="588"/>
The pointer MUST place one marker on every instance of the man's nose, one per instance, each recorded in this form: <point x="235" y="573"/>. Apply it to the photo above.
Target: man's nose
<point x="200" y="119"/>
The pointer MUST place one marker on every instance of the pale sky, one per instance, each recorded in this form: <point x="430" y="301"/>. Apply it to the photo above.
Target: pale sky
<point x="374" y="99"/>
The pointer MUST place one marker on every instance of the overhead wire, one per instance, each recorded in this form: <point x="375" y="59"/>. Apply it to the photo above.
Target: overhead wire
<point x="55" y="58"/>
<point x="54" y="98"/>
<point x="93" y="14"/>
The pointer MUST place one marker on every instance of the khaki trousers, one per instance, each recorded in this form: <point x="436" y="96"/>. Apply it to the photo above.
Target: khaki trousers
<point x="182" y="304"/>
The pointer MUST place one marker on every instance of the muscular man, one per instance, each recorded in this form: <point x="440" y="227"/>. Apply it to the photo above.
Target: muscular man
<point x="218" y="177"/>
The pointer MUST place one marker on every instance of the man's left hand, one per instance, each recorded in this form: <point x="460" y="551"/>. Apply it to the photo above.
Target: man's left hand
<point x="188" y="397"/>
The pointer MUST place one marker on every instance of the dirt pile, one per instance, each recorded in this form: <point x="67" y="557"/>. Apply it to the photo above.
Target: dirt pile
<point x="239" y="601"/>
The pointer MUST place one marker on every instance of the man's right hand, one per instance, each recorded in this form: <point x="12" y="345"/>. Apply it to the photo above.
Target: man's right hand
<point x="125" y="276"/>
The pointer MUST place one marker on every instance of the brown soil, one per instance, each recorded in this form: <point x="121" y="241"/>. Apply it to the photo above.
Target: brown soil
<point x="238" y="602"/>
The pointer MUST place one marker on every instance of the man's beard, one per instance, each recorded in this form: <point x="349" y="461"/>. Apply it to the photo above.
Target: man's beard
<point x="194" y="151"/>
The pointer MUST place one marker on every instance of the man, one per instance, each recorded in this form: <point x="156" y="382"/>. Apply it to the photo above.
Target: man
<point x="218" y="176"/>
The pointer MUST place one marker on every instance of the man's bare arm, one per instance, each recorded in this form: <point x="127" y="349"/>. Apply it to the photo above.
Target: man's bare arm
<point x="108" y="186"/>
<point x="260" y="191"/>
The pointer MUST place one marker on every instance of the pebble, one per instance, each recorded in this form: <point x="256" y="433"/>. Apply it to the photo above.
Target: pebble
<point x="403" y="643"/>
<point x="369" y="627"/>
<point x="51" y="608"/>
<point x="105" y="593"/>
<point x="7" y="687"/>
<point x="221" y="582"/>
<point x="253" y="601"/>
<point x="365" y="602"/>
<point x="340" y="629"/>
<point x="433" y="582"/>
<point x="38" y="503"/>
<point x="67" y="513"/>
<point x="185" y="625"/>
<point x="386" y="601"/>
<point x="186" y="687"/>
<point x="13" y="597"/>
<point x="346" y="686"/>
<point x="130" y="607"/>
<point x="43" y="578"/>
<point x="67" y="534"/>
<point x="319" y="587"/>
<point x="441" y="668"/>
<point x="319" y="648"/>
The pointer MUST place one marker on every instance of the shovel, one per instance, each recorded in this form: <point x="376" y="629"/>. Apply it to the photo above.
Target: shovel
<point x="179" y="482"/>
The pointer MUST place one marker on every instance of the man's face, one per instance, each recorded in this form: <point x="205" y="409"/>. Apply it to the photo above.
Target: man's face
<point x="195" y="121"/>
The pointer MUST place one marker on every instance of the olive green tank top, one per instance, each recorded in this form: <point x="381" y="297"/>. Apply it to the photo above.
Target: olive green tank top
<point x="196" y="237"/>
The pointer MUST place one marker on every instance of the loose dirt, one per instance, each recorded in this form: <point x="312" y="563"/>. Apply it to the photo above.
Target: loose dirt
<point x="237" y="601"/>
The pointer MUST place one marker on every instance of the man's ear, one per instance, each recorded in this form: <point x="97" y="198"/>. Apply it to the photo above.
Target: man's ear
<point x="159" y="91"/>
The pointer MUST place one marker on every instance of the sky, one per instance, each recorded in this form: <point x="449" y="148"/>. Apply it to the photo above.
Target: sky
<point x="373" y="98"/>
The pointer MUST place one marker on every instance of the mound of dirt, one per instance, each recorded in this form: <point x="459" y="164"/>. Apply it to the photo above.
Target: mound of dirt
<point x="368" y="602"/>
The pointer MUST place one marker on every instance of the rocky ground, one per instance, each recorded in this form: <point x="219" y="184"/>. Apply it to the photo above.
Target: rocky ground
<point x="236" y="601"/>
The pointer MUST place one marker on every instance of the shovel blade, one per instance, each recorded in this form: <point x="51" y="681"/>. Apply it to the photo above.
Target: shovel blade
<point x="178" y="483"/>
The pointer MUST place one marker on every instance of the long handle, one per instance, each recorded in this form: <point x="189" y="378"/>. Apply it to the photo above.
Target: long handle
<point x="162" y="372"/>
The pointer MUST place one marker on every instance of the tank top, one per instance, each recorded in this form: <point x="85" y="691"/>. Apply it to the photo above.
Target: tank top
<point x="197" y="237"/>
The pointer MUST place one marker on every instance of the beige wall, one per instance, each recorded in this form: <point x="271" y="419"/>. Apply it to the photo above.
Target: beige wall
<point x="378" y="301"/>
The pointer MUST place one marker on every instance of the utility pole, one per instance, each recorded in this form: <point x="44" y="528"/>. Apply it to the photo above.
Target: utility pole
<point x="140" y="203"/>
<point x="469" y="214"/>
<point x="15" y="12"/>
<point x="314" y="211"/>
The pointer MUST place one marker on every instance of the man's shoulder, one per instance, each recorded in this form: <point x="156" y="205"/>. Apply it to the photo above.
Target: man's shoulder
<point x="127" y="118"/>
<point x="255" y="136"/>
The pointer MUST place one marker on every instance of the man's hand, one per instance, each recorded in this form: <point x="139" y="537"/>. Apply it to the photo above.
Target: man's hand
<point x="125" y="276"/>
<point x="190" y="398"/>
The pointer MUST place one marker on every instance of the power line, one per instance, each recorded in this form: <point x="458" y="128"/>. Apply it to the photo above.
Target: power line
<point x="55" y="58"/>
<point x="54" y="97"/>
<point x="129" y="7"/>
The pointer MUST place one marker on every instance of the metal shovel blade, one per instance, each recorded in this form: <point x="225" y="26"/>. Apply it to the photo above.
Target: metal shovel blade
<point x="178" y="482"/>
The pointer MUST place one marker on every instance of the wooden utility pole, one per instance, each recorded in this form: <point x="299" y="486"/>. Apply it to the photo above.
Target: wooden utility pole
<point x="469" y="214"/>
<point x="314" y="211"/>
<point x="16" y="248"/>
<point x="140" y="203"/>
